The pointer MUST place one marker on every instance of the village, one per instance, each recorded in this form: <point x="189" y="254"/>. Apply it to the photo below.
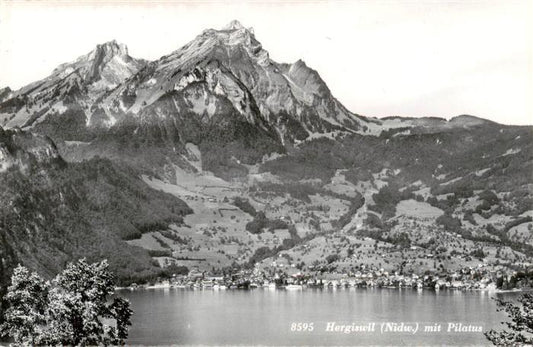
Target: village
<point x="469" y="278"/>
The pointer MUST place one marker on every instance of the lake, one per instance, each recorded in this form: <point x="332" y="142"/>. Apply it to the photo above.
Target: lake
<point x="311" y="317"/>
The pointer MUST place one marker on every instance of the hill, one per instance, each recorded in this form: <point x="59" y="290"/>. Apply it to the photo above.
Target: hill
<point x="53" y="211"/>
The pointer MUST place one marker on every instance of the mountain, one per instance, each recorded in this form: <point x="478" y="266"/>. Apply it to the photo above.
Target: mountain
<point x="272" y="168"/>
<point x="71" y="87"/>
<point x="220" y="90"/>
<point x="232" y="64"/>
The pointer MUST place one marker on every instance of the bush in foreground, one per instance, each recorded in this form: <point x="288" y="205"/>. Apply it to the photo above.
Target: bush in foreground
<point x="69" y="310"/>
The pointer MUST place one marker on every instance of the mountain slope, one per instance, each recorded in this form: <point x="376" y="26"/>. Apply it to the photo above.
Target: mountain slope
<point x="52" y="212"/>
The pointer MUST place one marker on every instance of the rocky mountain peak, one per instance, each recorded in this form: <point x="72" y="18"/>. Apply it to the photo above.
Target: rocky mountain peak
<point x="109" y="49"/>
<point x="233" y="25"/>
<point x="104" y="54"/>
<point x="234" y="34"/>
<point x="308" y="78"/>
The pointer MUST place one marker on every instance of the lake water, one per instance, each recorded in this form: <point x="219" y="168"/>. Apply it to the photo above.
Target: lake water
<point x="266" y="317"/>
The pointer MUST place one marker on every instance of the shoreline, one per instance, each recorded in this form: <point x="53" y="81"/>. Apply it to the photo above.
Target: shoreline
<point x="305" y="287"/>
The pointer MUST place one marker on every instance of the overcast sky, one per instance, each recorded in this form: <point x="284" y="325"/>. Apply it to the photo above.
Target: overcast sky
<point x="403" y="58"/>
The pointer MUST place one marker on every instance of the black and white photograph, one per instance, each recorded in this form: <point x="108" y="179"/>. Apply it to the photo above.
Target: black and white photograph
<point x="266" y="173"/>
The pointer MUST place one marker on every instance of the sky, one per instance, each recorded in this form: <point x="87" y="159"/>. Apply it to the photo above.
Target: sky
<point x="379" y="58"/>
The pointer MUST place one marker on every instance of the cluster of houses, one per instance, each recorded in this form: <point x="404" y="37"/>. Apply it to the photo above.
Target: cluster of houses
<point x="468" y="278"/>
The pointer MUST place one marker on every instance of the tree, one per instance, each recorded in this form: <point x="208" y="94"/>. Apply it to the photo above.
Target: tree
<point x="69" y="310"/>
<point x="478" y="253"/>
<point x="521" y="324"/>
<point x="332" y="258"/>
<point x="26" y="297"/>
